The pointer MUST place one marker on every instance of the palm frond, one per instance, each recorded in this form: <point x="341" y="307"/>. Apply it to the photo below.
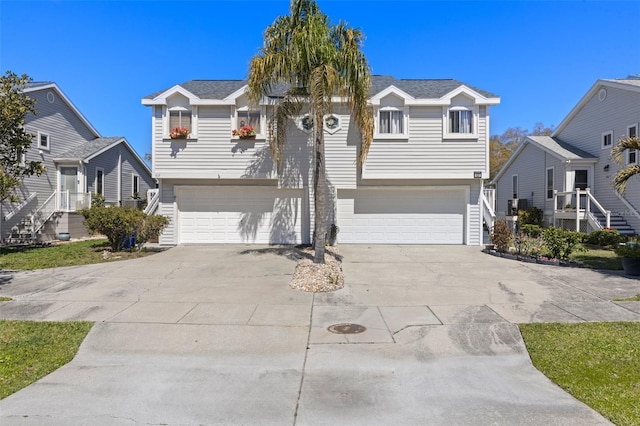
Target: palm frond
<point x="623" y="145"/>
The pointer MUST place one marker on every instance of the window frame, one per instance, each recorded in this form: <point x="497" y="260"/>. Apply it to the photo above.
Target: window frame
<point x="603" y="139"/>
<point x="246" y="110"/>
<point x="193" y="110"/>
<point x="549" y="191"/>
<point x="48" y="136"/>
<point x="404" y="122"/>
<point x="447" y="132"/>
<point x="135" y="181"/>
<point x="95" y="182"/>
<point x="632" y="152"/>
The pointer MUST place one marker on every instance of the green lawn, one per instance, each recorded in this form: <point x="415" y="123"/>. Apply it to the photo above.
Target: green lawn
<point x="598" y="258"/>
<point x="598" y="363"/>
<point x="31" y="350"/>
<point x="65" y="254"/>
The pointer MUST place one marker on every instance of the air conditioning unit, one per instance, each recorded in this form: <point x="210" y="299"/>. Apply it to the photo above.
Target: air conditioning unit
<point x="516" y="204"/>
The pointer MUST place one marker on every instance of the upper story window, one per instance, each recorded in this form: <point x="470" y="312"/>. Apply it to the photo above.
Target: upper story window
<point x="247" y="117"/>
<point x="550" y="183"/>
<point x="514" y="186"/>
<point x="135" y="186"/>
<point x="632" y="132"/>
<point x="607" y="140"/>
<point x="180" y="119"/>
<point x="391" y="122"/>
<point x="460" y="120"/>
<point x="44" y="141"/>
<point x="99" y="184"/>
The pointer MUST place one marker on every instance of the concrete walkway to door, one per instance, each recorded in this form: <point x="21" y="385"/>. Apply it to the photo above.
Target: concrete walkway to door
<point x="214" y="335"/>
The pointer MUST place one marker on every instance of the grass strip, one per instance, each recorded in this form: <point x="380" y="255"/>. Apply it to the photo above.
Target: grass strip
<point x="598" y="363"/>
<point x="30" y="350"/>
<point x="66" y="254"/>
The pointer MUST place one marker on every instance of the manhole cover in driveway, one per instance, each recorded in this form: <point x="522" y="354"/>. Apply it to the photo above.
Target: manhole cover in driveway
<point x="347" y="328"/>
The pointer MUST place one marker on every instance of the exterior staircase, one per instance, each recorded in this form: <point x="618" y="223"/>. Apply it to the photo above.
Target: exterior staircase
<point x="617" y="222"/>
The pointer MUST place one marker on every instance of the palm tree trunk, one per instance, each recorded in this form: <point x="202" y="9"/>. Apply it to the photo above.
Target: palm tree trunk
<point x="319" y="191"/>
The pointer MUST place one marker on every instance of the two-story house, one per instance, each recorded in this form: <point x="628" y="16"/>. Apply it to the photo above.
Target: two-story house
<point x="78" y="161"/>
<point x="421" y="183"/>
<point x="552" y="172"/>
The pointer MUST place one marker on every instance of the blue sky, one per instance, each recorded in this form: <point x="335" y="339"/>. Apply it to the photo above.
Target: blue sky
<point x="540" y="57"/>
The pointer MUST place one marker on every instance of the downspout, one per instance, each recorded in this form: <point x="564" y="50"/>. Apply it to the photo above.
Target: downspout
<point x="119" y="177"/>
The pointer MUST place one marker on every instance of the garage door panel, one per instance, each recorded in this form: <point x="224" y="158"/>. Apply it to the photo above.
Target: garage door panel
<point x="239" y="215"/>
<point x="395" y="216"/>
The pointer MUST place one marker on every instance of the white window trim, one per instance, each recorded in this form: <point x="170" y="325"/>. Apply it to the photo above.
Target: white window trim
<point x="194" y="121"/>
<point x="133" y="186"/>
<point x="446" y="134"/>
<point x="95" y="183"/>
<point x="263" y="121"/>
<point x="405" y="123"/>
<point x="546" y="182"/>
<point x="48" y="147"/>
<point x="634" y="151"/>
<point x="602" y="136"/>
<point x="517" y="186"/>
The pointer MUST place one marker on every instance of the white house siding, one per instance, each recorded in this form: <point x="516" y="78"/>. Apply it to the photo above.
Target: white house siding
<point x="341" y="151"/>
<point x="620" y="109"/>
<point x="425" y="154"/>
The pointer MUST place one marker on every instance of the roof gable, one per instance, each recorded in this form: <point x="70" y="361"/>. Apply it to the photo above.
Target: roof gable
<point x="91" y="149"/>
<point x="43" y="85"/>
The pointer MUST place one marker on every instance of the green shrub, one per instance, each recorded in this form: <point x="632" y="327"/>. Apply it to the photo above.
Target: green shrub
<point x="152" y="227"/>
<point x="561" y="243"/>
<point x="531" y="230"/>
<point x="604" y="238"/>
<point x="117" y="223"/>
<point x="629" y="250"/>
<point x="97" y="200"/>
<point x="501" y="236"/>
<point x="530" y="216"/>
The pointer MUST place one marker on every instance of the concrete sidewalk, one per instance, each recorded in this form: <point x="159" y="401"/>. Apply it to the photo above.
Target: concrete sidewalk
<point x="214" y="335"/>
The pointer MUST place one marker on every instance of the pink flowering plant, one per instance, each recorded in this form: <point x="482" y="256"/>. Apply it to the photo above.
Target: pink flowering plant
<point x="244" y="131"/>
<point x="179" y="133"/>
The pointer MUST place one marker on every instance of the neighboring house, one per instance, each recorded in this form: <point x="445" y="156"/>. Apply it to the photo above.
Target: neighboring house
<point x="79" y="162"/>
<point x="422" y="182"/>
<point x="546" y="171"/>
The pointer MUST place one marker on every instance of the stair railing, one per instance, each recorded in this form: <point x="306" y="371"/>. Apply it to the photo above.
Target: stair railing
<point x="627" y="204"/>
<point x="43" y="214"/>
<point x="153" y="201"/>
<point x="488" y="212"/>
<point x="20" y="206"/>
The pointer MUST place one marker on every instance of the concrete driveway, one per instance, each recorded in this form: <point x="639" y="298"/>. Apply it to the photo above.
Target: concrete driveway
<point x="214" y="335"/>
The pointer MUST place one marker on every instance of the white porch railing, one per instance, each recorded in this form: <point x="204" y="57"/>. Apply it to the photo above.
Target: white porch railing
<point x="579" y="208"/>
<point x="489" y="207"/>
<point x="628" y="205"/>
<point x="15" y="210"/>
<point x="72" y="201"/>
<point x="153" y="200"/>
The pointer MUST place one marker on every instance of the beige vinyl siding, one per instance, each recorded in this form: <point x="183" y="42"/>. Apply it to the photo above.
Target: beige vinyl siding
<point x="620" y="109"/>
<point x="425" y="154"/>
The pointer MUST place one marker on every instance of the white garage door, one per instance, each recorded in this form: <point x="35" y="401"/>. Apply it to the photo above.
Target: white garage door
<point x="401" y="216"/>
<point x="238" y="215"/>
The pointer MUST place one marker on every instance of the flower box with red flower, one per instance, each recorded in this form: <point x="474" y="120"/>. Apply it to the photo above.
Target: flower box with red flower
<point x="179" y="133"/>
<point x="244" y="132"/>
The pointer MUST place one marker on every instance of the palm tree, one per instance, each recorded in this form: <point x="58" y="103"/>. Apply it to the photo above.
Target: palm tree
<point x="622" y="177"/>
<point x="314" y="61"/>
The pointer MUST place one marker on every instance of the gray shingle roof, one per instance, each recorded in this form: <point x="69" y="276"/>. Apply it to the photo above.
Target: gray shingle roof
<point x="89" y="148"/>
<point x="561" y="148"/>
<point x="423" y="89"/>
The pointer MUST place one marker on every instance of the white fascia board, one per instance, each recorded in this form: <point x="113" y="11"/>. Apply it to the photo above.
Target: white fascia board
<point x="477" y="97"/>
<point x="587" y="97"/>
<point x="391" y="90"/>
<point x="212" y="175"/>
<point x="76" y="111"/>
<point x="161" y="99"/>
<point x="127" y="145"/>
<point x="235" y="95"/>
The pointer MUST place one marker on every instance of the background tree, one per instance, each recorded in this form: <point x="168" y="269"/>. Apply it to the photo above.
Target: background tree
<point x="502" y="146"/>
<point x="14" y="140"/>
<point x="623" y="175"/>
<point x="313" y="61"/>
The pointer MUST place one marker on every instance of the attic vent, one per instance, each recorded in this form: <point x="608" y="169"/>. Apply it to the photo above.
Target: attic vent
<point x="602" y="94"/>
<point x="50" y="97"/>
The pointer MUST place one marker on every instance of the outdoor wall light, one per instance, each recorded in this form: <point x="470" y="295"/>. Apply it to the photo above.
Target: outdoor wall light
<point x="606" y="168"/>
